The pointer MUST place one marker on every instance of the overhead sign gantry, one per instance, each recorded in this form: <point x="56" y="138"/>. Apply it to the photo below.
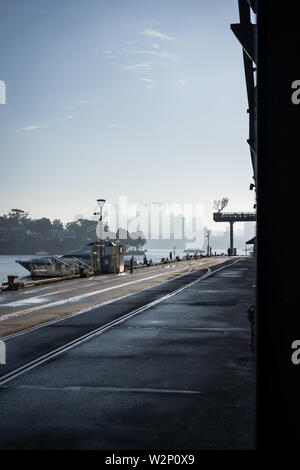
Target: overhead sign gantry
<point x="233" y="217"/>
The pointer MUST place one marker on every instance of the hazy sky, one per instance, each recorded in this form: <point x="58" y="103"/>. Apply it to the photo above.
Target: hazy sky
<point x="144" y="98"/>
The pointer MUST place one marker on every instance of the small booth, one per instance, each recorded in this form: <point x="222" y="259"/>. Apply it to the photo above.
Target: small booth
<point x="107" y="257"/>
<point x="97" y="254"/>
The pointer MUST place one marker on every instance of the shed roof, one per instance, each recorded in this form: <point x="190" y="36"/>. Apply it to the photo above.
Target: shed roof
<point x="252" y="241"/>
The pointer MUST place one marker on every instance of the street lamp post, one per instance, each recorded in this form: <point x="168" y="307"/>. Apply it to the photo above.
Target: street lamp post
<point x="101" y="203"/>
<point x="99" y="255"/>
<point x="208" y="232"/>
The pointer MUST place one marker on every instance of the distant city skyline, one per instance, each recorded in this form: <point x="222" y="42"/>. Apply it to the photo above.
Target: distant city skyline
<point x="127" y="97"/>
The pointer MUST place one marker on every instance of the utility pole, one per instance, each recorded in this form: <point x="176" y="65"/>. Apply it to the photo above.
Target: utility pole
<point x="208" y="233"/>
<point x="101" y="203"/>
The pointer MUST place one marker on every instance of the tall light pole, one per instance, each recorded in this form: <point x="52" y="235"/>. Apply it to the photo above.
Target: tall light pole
<point x="98" y="251"/>
<point x="208" y="232"/>
<point x="101" y="203"/>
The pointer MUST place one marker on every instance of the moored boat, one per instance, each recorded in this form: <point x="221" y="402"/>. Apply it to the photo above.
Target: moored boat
<point x="54" y="266"/>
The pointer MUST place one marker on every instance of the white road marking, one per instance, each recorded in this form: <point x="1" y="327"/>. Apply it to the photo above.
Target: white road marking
<point x="97" y="332"/>
<point x="103" y="280"/>
<point x="37" y="290"/>
<point x="34" y="300"/>
<point x="75" y="298"/>
<point x="84" y="310"/>
<point x="161" y="327"/>
<point x="87" y="309"/>
<point x="106" y="389"/>
<point x="29" y="300"/>
<point x="23" y="302"/>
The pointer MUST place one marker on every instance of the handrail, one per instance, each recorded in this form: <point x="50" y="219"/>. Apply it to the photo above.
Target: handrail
<point x="81" y="262"/>
<point x="61" y="261"/>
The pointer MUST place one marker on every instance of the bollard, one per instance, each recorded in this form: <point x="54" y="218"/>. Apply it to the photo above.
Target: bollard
<point x="11" y="283"/>
<point x="250" y="316"/>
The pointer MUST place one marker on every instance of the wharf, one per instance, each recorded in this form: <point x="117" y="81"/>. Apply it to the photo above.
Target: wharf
<point x="166" y="365"/>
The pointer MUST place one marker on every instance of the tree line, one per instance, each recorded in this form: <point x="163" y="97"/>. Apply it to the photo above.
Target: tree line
<point x="21" y="233"/>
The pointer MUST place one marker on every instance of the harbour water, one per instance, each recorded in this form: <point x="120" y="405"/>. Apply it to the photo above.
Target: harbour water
<point x="8" y="266"/>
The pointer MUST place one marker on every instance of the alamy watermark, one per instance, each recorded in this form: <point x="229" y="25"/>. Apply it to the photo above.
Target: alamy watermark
<point x="295" y="358"/>
<point x="2" y="92"/>
<point x="153" y="221"/>
<point x="2" y="352"/>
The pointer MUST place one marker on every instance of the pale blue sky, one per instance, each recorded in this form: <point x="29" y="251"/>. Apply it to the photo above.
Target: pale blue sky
<point x="121" y="97"/>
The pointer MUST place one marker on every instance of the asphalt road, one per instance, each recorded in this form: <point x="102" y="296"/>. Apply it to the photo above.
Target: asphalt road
<point x="177" y="374"/>
<point x="23" y="309"/>
<point x="71" y="319"/>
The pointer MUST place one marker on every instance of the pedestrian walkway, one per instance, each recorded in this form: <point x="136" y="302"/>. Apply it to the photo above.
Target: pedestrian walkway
<point x="177" y="376"/>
